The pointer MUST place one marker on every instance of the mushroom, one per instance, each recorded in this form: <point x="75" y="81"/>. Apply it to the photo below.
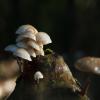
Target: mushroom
<point x="27" y="44"/>
<point x="19" y="53"/>
<point x="40" y="44"/>
<point x="22" y="53"/>
<point x="37" y="76"/>
<point x="26" y="28"/>
<point x="21" y="45"/>
<point x="89" y="65"/>
<point x="29" y="35"/>
<point x="33" y="44"/>
<point x="11" y="48"/>
<point x="40" y="52"/>
<point x="31" y="51"/>
<point x="43" y="38"/>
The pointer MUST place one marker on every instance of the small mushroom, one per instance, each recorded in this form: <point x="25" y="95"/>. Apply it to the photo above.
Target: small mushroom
<point x="29" y="35"/>
<point x="43" y="38"/>
<point x="89" y="64"/>
<point x="37" y="76"/>
<point x="27" y="44"/>
<point x="26" y="28"/>
<point x="22" y="53"/>
<point x="11" y="48"/>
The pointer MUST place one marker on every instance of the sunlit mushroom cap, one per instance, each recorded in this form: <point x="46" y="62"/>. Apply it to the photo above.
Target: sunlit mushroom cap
<point x="40" y="44"/>
<point x="43" y="38"/>
<point x="33" y="44"/>
<point x="21" y="45"/>
<point x="26" y="28"/>
<point x="11" y="48"/>
<point x="89" y="64"/>
<point x="29" y="35"/>
<point x="27" y="44"/>
<point x="38" y="75"/>
<point x="22" y="53"/>
<point x="31" y="51"/>
<point x="40" y="52"/>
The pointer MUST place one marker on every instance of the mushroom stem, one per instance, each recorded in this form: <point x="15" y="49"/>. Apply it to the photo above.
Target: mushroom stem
<point x="20" y="65"/>
<point x="37" y="81"/>
<point x="86" y="86"/>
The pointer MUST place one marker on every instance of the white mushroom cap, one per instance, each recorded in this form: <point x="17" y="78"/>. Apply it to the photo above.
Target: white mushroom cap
<point x="41" y="45"/>
<point x="33" y="44"/>
<point x="22" y="53"/>
<point x="29" y="35"/>
<point x="21" y="45"/>
<point x="40" y="52"/>
<point x="26" y="28"/>
<point x="38" y="75"/>
<point x="11" y="48"/>
<point x="43" y="38"/>
<point x="27" y="44"/>
<point x="31" y="51"/>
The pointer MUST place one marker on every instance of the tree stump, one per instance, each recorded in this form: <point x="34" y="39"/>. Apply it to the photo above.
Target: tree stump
<point x="51" y="87"/>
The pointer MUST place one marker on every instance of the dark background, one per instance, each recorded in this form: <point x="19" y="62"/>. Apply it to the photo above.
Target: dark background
<point x="74" y="26"/>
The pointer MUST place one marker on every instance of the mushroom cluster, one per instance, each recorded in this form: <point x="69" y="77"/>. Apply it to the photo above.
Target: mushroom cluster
<point x="29" y="43"/>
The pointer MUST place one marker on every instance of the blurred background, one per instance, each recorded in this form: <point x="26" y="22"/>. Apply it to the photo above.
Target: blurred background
<point x="74" y="27"/>
<point x="72" y="24"/>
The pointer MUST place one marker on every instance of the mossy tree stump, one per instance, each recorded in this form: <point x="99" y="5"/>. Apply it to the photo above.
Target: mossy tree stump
<point x="51" y="87"/>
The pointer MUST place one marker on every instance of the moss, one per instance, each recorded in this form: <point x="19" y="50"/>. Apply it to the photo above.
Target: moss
<point x="49" y="88"/>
